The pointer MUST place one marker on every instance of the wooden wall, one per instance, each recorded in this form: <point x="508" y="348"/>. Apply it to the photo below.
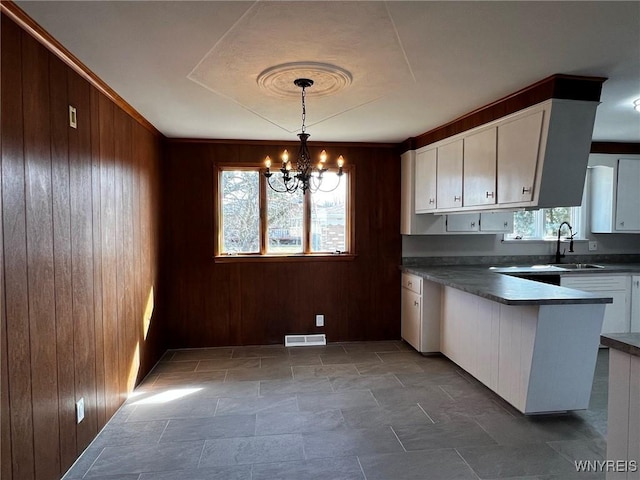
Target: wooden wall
<point x="209" y="304"/>
<point x="79" y="224"/>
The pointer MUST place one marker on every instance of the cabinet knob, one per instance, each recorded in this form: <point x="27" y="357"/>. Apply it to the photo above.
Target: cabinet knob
<point x="456" y="198"/>
<point x="526" y="190"/>
<point x="432" y="201"/>
<point x="489" y="194"/>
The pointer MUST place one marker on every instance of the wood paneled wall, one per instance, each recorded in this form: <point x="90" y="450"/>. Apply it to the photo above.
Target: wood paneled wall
<point x="79" y="259"/>
<point x="209" y="304"/>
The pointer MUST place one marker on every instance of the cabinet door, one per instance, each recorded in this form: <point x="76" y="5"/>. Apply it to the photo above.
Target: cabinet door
<point x="635" y="303"/>
<point x="449" y="185"/>
<point x="479" y="178"/>
<point x="518" y="147"/>
<point x="496" y="222"/>
<point x="628" y="202"/>
<point x="411" y="318"/>
<point x="616" y="314"/>
<point x="464" y="222"/>
<point x="425" y="181"/>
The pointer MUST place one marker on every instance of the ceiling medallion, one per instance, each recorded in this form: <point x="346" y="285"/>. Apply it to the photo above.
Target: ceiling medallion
<point x="327" y="79"/>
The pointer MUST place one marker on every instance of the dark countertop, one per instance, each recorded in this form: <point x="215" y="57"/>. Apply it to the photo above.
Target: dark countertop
<point x="493" y="285"/>
<point x="625" y="342"/>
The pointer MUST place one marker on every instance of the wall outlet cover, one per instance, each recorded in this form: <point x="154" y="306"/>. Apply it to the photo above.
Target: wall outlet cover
<point x="319" y="320"/>
<point x="80" y="410"/>
<point x="593" y="245"/>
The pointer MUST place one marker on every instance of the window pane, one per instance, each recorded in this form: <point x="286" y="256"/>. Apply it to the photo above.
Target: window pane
<point x="552" y="219"/>
<point x="329" y="215"/>
<point x="284" y="222"/>
<point x="240" y="211"/>
<point x="524" y="224"/>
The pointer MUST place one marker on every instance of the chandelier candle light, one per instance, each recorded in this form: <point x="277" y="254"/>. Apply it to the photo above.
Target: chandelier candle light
<point x="304" y="175"/>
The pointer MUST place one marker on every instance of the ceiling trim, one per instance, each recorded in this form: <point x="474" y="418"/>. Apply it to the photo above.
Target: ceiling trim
<point x="615" y="148"/>
<point x="569" y="87"/>
<point x="283" y="143"/>
<point x="29" y="25"/>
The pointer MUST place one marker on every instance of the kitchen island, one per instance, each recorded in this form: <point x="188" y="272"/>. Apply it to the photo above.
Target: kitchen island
<point x="623" y="421"/>
<point x="532" y="343"/>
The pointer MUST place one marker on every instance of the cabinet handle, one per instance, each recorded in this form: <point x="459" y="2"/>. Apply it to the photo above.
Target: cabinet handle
<point x="431" y="201"/>
<point x="415" y="303"/>
<point x="489" y="194"/>
<point x="410" y="283"/>
<point x="473" y="224"/>
<point x="526" y="190"/>
<point x="622" y="224"/>
<point x="506" y="224"/>
<point x="456" y="198"/>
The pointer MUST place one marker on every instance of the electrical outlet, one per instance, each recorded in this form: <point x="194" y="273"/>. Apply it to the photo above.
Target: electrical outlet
<point x="593" y="245"/>
<point x="80" y="410"/>
<point x="73" y="119"/>
<point x="319" y="320"/>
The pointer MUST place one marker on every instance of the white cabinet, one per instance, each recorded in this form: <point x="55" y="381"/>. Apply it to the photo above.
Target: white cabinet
<point x="615" y="197"/>
<point x="449" y="181"/>
<point x="617" y="314"/>
<point x="487" y="222"/>
<point x="536" y="157"/>
<point x="518" y="149"/>
<point x="479" y="162"/>
<point x="420" y="313"/>
<point x="425" y="181"/>
<point x="464" y="222"/>
<point x="635" y="303"/>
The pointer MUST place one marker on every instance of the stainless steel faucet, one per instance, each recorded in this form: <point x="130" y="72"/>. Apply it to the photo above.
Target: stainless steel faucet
<point x="571" y="234"/>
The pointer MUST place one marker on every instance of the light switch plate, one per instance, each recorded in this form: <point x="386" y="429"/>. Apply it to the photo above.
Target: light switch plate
<point x="80" y="410"/>
<point x="593" y="245"/>
<point x="73" y="119"/>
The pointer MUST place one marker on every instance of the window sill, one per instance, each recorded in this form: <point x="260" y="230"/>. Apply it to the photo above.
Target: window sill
<point x="530" y="241"/>
<point x="312" y="257"/>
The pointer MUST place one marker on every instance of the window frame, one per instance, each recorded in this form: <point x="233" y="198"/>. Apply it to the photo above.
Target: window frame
<point x="577" y="217"/>
<point x="263" y="254"/>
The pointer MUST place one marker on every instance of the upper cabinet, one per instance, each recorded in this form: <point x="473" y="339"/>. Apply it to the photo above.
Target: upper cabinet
<point x="534" y="158"/>
<point x="479" y="174"/>
<point x="615" y="197"/>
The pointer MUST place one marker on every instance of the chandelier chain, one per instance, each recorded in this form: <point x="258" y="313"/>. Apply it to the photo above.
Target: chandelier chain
<point x="304" y="110"/>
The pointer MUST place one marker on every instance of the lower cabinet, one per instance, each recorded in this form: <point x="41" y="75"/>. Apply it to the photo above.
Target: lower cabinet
<point x="617" y="314"/>
<point x="635" y="303"/>
<point x="420" y="325"/>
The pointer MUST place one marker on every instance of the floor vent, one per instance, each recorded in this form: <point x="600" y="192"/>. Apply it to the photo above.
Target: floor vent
<point x="305" y="340"/>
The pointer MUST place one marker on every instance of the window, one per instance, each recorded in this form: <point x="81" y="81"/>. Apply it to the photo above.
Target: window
<point x="543" y="224"/>
<point x="255" y="220"/>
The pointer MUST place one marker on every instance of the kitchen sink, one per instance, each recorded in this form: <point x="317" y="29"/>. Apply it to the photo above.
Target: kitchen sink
<point x="577" y="266"/>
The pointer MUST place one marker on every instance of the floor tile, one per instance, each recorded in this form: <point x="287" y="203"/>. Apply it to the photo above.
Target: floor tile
<point x="236" y="472"/>
<point x="259" y="351"/>
<point x="576" y="450"/>
<point x="254" y="405"/>
<point x="268" y="373"/>
<point x="300" y="372"/>
<point x="188" y="379"/>
<point x="350" y="441"/>
<point x="175" y="367"/>
<point x="364" y="382"/>
<point x="410" y="396"/>
<point x="350" y="358"/>
<point x="425" y="379"/>
<point x="400" y="357"/>
<point x="363" y="417"/>
<point x="290" y="361"/>
<point x="272" y="423"/>
<point x="500" y="461"/>
<point x="350" y="399"/>
<point x="287" y="387"/>
<point x="186" y="429"/>
<point x="452" y="434"/>
<point x="248" y="450"/>
<point x="242" y="389"/>
<point x="180" y="408"/>
<point x="436" y="464"/>
<point x="319" y="350"/>
<point x="130" y="433"/>
<point x="227" y="363"/>
<point x="341" y="468"/>
<point x="146" y="458"/>
<point x="355" y="347"/>
<point x="383" y="368"/>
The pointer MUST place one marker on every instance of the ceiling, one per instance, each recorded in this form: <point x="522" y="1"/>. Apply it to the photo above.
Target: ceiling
<point x="384" y="71"/>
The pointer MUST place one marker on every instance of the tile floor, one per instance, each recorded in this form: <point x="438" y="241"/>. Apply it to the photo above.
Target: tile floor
<point x="368" y="411"/>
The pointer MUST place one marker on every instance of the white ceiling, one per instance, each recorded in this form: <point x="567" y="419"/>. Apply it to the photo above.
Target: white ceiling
<point x="191" y="68"/>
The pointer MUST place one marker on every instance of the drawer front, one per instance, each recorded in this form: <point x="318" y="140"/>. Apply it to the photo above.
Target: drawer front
<point x="412" y="282"/>
<point x="597" y="283"/>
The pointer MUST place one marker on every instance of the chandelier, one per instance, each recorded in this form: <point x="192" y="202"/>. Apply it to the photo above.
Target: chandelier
<point x="304" y="174"/>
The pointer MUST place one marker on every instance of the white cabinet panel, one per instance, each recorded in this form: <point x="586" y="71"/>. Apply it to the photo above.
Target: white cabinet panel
<point x="411" y="317"/>
<point x="425" y="181"/>
<point x="628" y="198"/>
<point x="465" y="222"/>
<point x="479" y="178"/>
<point x="496" y="222"/>
<point x="617" y="314"/>
<point x="635" y="303"/>
<point x="518" y="149"/>
<point x="449" y="184"/>
<point x="420" y="313"/>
